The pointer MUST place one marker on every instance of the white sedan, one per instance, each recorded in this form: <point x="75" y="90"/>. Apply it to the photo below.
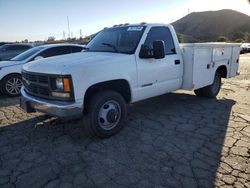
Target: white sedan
<point x="10" y="71"/>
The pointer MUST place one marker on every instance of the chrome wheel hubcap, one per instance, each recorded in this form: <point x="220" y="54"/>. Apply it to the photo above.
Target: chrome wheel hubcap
<point x="13" y="86"/>
<point x="109" y="115"/>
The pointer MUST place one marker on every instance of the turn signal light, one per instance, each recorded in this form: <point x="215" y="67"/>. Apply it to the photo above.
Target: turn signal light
<point x="66" y="84"/>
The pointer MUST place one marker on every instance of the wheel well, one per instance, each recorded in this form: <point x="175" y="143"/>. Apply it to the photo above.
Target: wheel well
<point x="223" y="71"/>
<point x="121" y="86"/>
<point x="1" y="81"/>
<point x="11" y="74"/>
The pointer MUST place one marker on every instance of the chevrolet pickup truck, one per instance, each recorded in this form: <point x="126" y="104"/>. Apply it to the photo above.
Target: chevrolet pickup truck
<point x="121" y="65"/>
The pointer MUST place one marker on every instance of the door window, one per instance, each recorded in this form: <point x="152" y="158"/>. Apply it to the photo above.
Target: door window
<point x="13" y="47"/>
<point x="76" y="49"/>
<point x="161" y="33"/>
<point x="61" y="50"/>
<point x="24" y="47"/>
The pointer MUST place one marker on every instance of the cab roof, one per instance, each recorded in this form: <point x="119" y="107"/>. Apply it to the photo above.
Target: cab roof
<point x="141" y="24"/>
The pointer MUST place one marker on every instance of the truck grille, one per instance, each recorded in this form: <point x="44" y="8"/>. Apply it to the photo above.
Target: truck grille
<point x="36" y="84"/>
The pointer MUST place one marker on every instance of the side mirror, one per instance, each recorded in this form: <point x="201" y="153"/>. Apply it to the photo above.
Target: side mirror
<point x="159" y="49"/>
<point x="146" y="52"/>
<point x="38" y="57"/>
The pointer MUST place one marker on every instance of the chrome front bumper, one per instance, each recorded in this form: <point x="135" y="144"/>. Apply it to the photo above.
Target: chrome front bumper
<point x="65" y="110"/>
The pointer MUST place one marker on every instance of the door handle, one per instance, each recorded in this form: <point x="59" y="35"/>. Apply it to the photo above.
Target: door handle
<point x="177" y="62"/>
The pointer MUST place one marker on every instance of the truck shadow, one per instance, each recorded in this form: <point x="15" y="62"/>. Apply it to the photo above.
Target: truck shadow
<point x="175" y="140"/>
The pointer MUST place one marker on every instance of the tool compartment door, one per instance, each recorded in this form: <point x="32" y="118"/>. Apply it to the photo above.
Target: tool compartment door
<point x="234" y="66"/>
<point x="202" y="69"/>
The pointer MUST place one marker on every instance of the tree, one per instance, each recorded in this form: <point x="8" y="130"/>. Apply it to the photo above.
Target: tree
<point x="25" y="41"/>
<point x="180" y="38"/>
<point x="51" y="39"/>
<point x="239" y="40"/>
<point x="222" y="39"/>
<point x="238" y="35"/>
<point x="247" y="37"/>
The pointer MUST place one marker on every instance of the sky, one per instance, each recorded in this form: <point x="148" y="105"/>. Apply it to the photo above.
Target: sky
<point x="40" y="19"/>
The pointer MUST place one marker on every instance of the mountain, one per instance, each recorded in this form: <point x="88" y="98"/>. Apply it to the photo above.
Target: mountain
<point x="208" y="26"/>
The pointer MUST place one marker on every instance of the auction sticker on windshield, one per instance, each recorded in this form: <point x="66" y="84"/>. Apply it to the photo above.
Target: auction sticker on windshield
<point x="135" y="28"/>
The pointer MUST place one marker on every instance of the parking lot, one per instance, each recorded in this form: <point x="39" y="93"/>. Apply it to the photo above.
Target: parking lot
<point x="175" y="140"/>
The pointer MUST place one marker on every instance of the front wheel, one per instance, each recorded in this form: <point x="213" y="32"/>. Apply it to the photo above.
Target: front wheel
<point x="11" y="85"/>
<point x="106" y="113"/>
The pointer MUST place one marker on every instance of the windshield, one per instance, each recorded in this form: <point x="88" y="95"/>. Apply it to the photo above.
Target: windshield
<point x="117" y="39"/>
<point x="27" y="54"/>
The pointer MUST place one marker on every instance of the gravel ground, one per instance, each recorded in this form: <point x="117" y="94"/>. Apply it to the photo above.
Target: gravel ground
<point x="175" y="140"/>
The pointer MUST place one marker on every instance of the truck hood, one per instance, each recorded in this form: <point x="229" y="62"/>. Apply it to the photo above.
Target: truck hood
<point x="59" y="64"/>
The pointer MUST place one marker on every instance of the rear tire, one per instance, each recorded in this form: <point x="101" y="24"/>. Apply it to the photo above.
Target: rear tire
<point x="11" y="85"/>
<point x="105" y="114"/>
<point x="212" y="90"/>
<point x="199" y="92"/>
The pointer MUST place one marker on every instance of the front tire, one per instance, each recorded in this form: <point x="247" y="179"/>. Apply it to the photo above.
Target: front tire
<point x="105" y="114"/>
<point x="11" y="85"/>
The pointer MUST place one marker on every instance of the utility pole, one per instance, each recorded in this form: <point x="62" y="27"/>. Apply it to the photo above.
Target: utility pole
<point x="80" y="33"/>
<point x="68" y="27"/>
<point x="63" y="35"/>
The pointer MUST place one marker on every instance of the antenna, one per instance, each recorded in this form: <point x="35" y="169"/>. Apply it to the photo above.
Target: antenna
<point x="68" y="26"/>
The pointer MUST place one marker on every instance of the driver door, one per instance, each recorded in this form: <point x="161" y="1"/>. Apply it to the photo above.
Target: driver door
<point x="159" y="76"/>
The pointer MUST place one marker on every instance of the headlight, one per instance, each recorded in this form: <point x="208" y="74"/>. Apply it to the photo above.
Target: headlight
<point x="61" y="87"/>
<point x="59" y="83"/>
<point x="62" y="84"/>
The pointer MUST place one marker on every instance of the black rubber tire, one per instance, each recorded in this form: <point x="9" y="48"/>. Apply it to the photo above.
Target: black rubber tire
<point x="208" y="91"/>
<point x="90" y="119"/>
<point x="4" y="82"/>
<point x="199" y="92"/>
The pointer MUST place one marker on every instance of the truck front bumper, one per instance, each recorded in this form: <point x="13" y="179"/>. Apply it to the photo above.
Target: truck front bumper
<point x="65" y="110"/>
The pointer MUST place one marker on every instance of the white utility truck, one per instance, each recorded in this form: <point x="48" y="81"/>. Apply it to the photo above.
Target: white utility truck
<point x="120" y="65"/>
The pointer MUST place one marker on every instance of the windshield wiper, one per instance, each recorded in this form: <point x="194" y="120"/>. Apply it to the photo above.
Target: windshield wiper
<point x="112" y="46"/>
